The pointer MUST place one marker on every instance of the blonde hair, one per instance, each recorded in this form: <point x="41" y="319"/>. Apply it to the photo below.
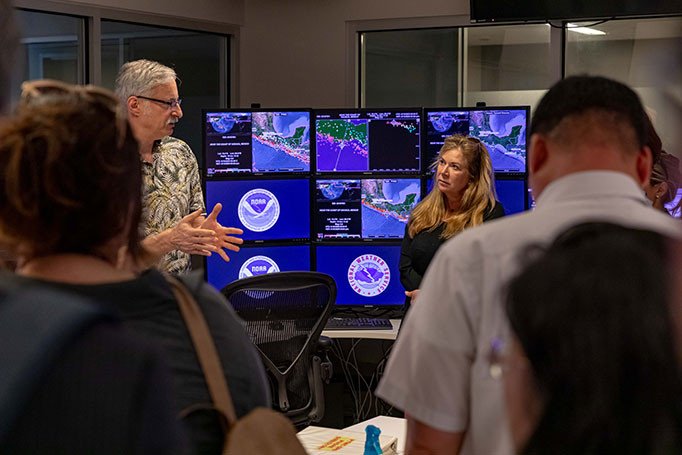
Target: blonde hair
<point x="477" y="197"/>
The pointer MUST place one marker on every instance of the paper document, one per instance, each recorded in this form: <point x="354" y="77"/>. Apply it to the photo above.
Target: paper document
<point x="328" y="441"/>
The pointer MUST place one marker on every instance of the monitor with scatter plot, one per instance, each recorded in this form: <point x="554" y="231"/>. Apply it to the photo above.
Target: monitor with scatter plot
<point x="367" y="208"/>
<point x="368" y="140"/>
<point x="256" y="141"/>
<point x="503" y="130"/>
<point x="266" y="209"/>
<point x="364" y="274"/>
<point x="256" y="260"/>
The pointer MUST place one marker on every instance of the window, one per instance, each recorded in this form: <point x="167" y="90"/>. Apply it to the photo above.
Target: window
<point x="506" y="65"/>
<point x="410" y="68"/>
<point x="51" y="48"/>
<point x="195" y="56"/>
<point x="643" y="53"/>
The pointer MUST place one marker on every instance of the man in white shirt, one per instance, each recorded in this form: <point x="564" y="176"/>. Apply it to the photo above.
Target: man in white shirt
<point x="587" y="162"/>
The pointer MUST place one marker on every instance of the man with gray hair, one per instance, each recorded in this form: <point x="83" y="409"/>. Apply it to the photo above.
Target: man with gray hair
<point x="174" y="226"/>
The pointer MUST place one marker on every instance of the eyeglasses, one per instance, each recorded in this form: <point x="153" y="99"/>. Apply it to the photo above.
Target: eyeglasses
<point x="171" y="104"/>
<point x="37" y="91"/>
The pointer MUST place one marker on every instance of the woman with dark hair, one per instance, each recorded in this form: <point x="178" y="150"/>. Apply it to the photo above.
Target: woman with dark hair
<point x="70" y="211"/>
<point x="463" y="196"/>
<point x="593" y="366"/>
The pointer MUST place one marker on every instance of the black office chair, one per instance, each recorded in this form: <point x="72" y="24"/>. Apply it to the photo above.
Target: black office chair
<point x="285" y="313"/>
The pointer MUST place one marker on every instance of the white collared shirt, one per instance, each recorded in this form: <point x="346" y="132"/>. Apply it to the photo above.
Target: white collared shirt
<point x="438" y="372"/>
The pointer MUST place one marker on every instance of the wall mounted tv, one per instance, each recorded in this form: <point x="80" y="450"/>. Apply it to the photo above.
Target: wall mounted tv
<point x="256" y="260"/>
<point x="266" y="209"/>
<point x="368" y="140"/>
<point x="368" y="208"/>
<point x="502" y="129"/>
<point x="256" y="141"/>
<point x="364" y="274"/>
<point x="538" y="10"/>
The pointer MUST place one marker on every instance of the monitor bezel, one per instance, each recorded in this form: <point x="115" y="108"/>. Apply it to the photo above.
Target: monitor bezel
<point x="250" y="177"/>
<point x="313" y="204"/>
<point x="419" y="110"/>
<point x="370" y="310"/>
<point x="425" y="144"/>
<point x="231" y="175"/>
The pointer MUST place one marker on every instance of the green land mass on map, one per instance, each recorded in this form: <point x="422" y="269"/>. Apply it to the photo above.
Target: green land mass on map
<point x="492" y="139"/>
<point x="342" y="130"/>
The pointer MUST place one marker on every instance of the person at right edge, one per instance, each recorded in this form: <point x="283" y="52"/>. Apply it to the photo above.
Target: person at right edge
<point x="587" y="161"/>
<point x="463" y="196"/>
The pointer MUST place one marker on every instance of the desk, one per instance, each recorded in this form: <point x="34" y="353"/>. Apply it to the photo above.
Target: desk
<point x="392" y="426"/>
<point x="367" y="334"/>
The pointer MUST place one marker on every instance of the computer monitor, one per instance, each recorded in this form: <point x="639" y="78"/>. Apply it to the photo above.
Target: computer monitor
<point x="502" y="129"/>
<point x="670" y="206"/>
<point x="364" y="274"/>
<point x="511" y="193"/>
<point x="368" y="208"/>
<point x="256" y="260"/>
<point x="256" y="141"/>
<point x="265" y="209"/>
<point x="368" y="140"/>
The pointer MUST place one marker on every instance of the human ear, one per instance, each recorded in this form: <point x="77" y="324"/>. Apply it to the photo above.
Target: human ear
<point x="134" y="106"/>
<point x="538" y="153"/>
<point x="643" y="166"/>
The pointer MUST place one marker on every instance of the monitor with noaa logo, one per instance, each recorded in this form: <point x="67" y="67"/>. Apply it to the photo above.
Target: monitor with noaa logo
<point x="368" y="140"/>
<point x="511" y="193"/>
<point x="256" y="260"/>
<point x="364" y="274"/>
<point x="368" y="208"/>
<point x="255" y="141"/>
<point x="503" y="130"/>
<point x="265" y="209"/>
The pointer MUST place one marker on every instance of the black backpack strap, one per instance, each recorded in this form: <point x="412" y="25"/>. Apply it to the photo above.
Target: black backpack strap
<point x="35" y="326"/>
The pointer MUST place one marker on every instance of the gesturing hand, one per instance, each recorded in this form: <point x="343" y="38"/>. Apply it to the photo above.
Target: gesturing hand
<point x="412" y="295"/>
<point x="193" y="240"/>
<point x="225" y="235"/>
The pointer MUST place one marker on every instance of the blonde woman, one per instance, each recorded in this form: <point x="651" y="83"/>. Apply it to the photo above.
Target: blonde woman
<point x="463" y="196"/>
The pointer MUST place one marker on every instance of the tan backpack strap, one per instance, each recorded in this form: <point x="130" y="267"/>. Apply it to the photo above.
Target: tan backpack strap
<point x="205" y="349"/>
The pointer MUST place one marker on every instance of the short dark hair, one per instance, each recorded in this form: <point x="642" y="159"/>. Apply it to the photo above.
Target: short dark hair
<point x="592" y="315"/>
<point x="70" y="178"/>
<point x="578" y="95"/>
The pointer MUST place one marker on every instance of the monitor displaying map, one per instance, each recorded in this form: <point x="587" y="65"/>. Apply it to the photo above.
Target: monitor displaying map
<point x="364" y="274"/>
<point x="256" y="141"/>
<point x="265" y="209"/>
<point x="364" y="208"/>
<point x="256" y="260"/>
<point x="502" y="129"/>
<point x="368" y="140"/>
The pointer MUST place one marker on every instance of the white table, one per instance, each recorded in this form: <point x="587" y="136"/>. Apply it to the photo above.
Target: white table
<point x="392" y="426"/>
<point x="368" y="334"/>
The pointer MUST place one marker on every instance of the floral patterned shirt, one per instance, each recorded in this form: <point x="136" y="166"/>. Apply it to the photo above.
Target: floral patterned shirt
<point x="171" y="190"/>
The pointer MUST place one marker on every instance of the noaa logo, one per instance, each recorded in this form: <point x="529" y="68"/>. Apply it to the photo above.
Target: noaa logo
<point x="258" y="210"/>
<point x="258" y="265"/>
<point x="369" y="275"/>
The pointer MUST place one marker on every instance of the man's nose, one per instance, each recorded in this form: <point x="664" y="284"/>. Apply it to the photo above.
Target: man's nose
<point x="177" y="111"/>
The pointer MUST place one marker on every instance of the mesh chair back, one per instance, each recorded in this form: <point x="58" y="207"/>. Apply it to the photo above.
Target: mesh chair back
<point x="284" y="314"/>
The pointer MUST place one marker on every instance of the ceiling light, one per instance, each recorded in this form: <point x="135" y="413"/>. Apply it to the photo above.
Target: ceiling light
<point x="584" y="30"/>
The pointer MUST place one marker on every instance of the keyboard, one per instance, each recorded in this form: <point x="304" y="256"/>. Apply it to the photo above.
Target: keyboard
<point x="358" y="324"/>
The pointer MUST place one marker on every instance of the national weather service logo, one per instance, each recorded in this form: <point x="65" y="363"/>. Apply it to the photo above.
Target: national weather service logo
<point x="369" y="275"/>
<point x="258" y="210"/>
<point x="258" y="265"/>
